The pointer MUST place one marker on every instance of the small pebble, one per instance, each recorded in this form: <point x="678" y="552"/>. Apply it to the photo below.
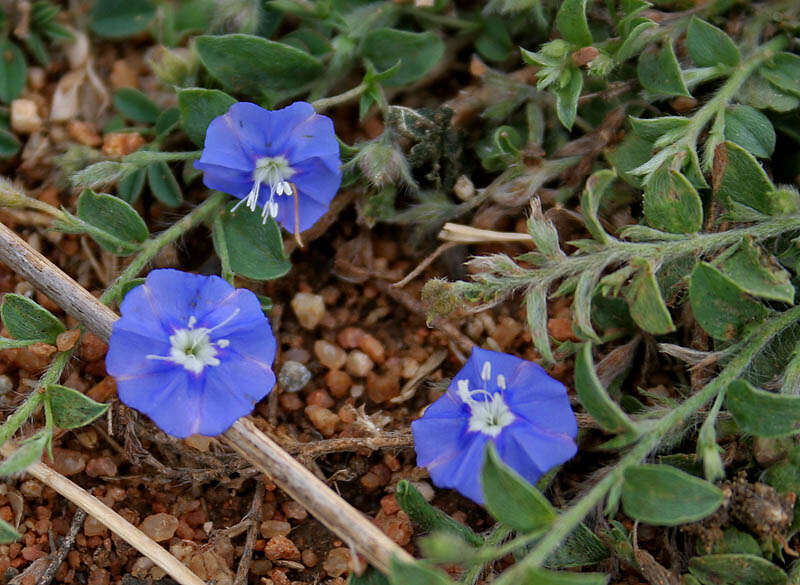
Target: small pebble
<point x="31" y="489"/>
<point x="260" y="567"/>
<point x="357" y="390"/>
<point x="66" y="461"/>
<point x="424" y="488"/>
<point x="382" y="388"/>
<point x="338" y="382"/>
<point x="67" y="340"/>
<point x="6" y="385"/>
<point x="24" y="116"/>
<point x="320" y="398"/>
<point x="337" y="562"/>
<point x="397" y="526"/>
<point x="101" y="467"/>
<point x="359" y="364"/>
<point x="98" y="576"/>
<point x="350" y="337"/>
<point x="280" y="547"/>
<point x="323" y="419"/>
<point x="293" y="376"/>
<point x="93" y="527"/>
<point x="309" y="309"/>
<point x="408" y="367"/>
<point x="295" y="511"/>
<point x="297" y="354"/>
<point x="270" y="528"/>
<point x="122" y="143"/>
<point x="309" y="558"/>
<point x="373" y="348"/>
<point x="329" y="355"/>
<point x="159" y="527"/>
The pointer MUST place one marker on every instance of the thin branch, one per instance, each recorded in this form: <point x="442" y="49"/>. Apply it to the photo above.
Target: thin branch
<point x="66" y="545"/>
<point x="464" y="234"/>
<point x="109" y="518"/>
<point x="254" y="515"/>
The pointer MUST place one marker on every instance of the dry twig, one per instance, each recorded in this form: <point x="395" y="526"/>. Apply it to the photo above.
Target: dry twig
<point x="66" y="545"/>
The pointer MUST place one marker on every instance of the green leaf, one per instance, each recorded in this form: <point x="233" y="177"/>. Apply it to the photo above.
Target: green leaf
<point x="72" y="409"/>
<point x="118" y="228"/>
<point x="647" y="306"/>
<point x="6" y="343"/>
<point x="428" y="518"/>
<point x="635" y="41"/>
<point x="121" y="18"/>
<point x="736" y="570"/>
<point x="651" y="129"/>
<point x="664" y="496"/>
<point x="7" y="533"/>
<point x="783" y="71"/>
<point x="12" y="71"/>
<point x="596" y="186"/>
<point x="763" y="413"/>
<point x="167" y="121"/>
<point x="709" y="46"/>
<point x="417" y="53"/>
<point x="198" y="107"/>
<point x="567" y="98"/>
<point x="671" y="203"/>
<point x="494" y="43"/>
<point x="630" y="154"/>
<point x="594" y="397"/>
<point x="402" y="573"/>
<point x="255" y="249"/>
<point x="163" y="184"/>
<point x="582" y="547"/>
<point x="762" y="95"/>
<point x="28" y="453"/>
<point x="739" y="177"/>
<point x="536" y="576"/>
<point x="371" y="576"/>
<point x="9" y="144"/>
<point x="254" y="66"/>
<point x="750" y="129"/>
<point x="130" y="186"/>
<point x="536" y="311"/>
<point x="661" y="74"/>
<point x="133" y="104"/>
<point x="26" y="320"/>
<point x="720" y="306"/>
<point x="758" y="273"/>
<point x="510" y="498"/>
<point x="571" y="22"/>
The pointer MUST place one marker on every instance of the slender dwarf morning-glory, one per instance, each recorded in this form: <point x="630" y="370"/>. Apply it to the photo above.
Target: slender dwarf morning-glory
<point x="284" y="161"/>
<point x="500" y="398"/>
<point x="191" y="352"/>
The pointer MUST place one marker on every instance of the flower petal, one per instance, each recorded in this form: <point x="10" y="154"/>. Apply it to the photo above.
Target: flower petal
<point x="500" y="364"/>
<point x="231" y="181"/>
<point x="437" y="439"/>
<point x="314" y="138"/>
<point x="531" y="453"/>
<point x="463" y="471"/>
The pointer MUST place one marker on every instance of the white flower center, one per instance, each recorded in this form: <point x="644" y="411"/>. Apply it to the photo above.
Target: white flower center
<point x="272" y="171"/>
<point x="192" y="348"/>
<point x="491" y="415"/>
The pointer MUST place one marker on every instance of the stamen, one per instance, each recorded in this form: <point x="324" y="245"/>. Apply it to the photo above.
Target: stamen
<point x="501" y="381"/>
<point x="486" y="372"/>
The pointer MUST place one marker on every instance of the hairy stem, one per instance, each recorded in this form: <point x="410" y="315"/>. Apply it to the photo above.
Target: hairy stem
<point x="151" y="247"/>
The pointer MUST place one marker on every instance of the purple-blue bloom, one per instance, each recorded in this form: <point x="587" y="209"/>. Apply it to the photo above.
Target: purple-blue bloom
<point x="281" y="160"/>
<point x="503" y="399"/>
<point x="191" y="352"/>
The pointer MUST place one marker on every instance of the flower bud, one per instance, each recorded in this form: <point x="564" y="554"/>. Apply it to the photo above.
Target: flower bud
<point x="173" y="66"/>
<point x="383" y="164"/>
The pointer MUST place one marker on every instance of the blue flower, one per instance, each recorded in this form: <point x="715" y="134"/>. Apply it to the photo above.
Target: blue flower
<point x="503" y="399"/>
<point x="284" y="161"/>
<point x="191" y="352"/>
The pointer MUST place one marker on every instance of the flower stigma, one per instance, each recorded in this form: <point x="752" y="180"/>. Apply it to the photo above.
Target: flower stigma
<point x="491" y="415"/>
<point x="272" y="171"/>
<point x="192" y="348"/>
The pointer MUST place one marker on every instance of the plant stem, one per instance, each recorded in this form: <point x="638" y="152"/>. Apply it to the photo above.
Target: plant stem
<point x="151" y="247"/>
<point x="146" y="157"/>
<point x="567" y="522"/>
<point x="323" y="104"/>
<point x="509" y="278"/>
<point x="25" y="410"/>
